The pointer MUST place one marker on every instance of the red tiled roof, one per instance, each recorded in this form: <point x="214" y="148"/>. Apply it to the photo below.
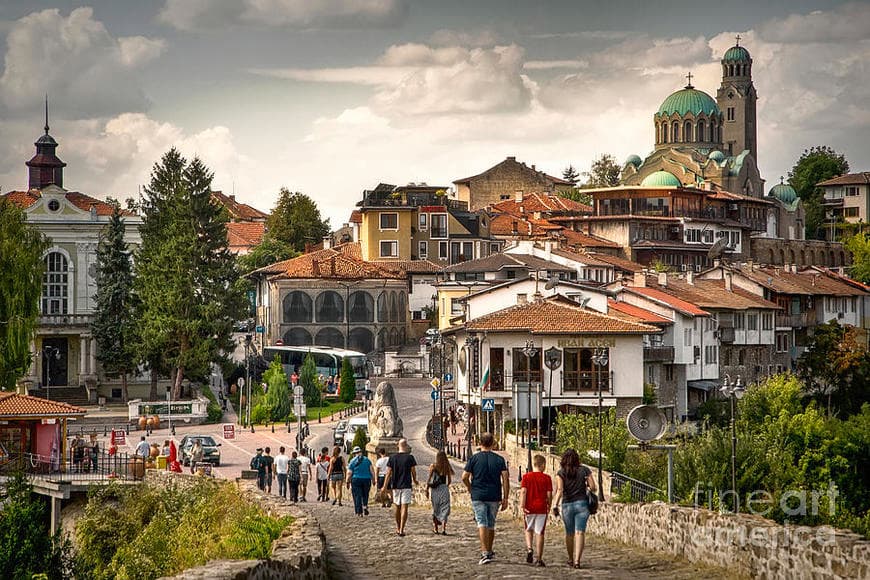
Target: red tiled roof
<point x="238" y="210"/>
<point x="245" y="234"/>
<point x="635" y="312"/>
<point x="341" y="262"/>
<point x="861" y="178"/>
<point x="14" y="405"/>
<point x="555" y="180"/>
<point x="556" y="315"/>
<point x="709" y="294"/>
<point x="355" y="217"/>
<point x="574" y="238"/>
<point x="808" y="281"/>
<point x="25" y="199"/>
<point x="672" y="301"/>
<point x="620" y="263"/>
<point x="408" y="266"/>
<point x="540" y="202"/>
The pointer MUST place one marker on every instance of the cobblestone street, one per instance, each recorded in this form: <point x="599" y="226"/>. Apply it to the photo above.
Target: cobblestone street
<point x="368" y="548"/>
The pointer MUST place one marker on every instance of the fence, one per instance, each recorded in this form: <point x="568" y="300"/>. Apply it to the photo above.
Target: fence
<point x="638" y="490"/>
<point x="85" y="467"/>
<point x="436" y="439"/>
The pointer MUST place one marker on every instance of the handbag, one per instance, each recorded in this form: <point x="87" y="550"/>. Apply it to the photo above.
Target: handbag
<point x="436" y="480"/>
<point x="592" y="500"/>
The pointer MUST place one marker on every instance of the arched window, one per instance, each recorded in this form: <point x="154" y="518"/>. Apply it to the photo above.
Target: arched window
<point x="361" y="339"/>
<point x="403" y="335"/>
<point x="687" y="131"/>
<point x="330" y="307"/>
<point x="394" y="336"/>
<point x="403" y="312"/>
<point x="360" y="307"/>
<point x="382" y="307"/>
<point x="842" y="258"/>
<point x="55" y="284"/>
<point x="790" y="256"/>
<point x="812" y="257"/>
<point x="664" y="132"/>
<point x="803" y="258"/>
<point x="782" y="256"/>
<point x="394" y="307"/>
<point x="701" y="130"/>
<point x="770" y="259"/>
<point x="382" y="338"/>
<point x="297" y="307"/>
<point x="675" y="131"/>
<point x="831" y="261"/>
<point x="329" y="337"/>
<point x="297" y="337"/>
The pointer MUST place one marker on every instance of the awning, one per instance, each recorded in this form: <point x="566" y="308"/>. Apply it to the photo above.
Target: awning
<point x="705" y="386"/>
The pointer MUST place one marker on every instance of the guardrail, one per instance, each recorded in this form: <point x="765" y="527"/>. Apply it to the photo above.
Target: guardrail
<point x="638" y="490"/>
<point x="435" y="439"/>
<point x="100" y="466"/>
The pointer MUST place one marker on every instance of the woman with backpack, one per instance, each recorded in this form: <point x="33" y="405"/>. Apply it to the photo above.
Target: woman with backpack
<point x="574" y="481"/>
<point x="438" y="490"/>
<point x="336" y="474"/>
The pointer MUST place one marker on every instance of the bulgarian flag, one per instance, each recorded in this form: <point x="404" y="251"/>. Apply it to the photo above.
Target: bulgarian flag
<point x="484" y="381"/>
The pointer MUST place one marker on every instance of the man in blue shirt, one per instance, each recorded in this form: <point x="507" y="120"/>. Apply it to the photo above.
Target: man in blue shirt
<point x="486" y="477"/>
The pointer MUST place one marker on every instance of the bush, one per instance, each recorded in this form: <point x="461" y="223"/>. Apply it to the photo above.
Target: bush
<point x="359" y="439"/>
<point x="348" y="383"/>
<point x="277" y="398"/>
<point x="261" y="414"/>
<point x="215" y="413"/>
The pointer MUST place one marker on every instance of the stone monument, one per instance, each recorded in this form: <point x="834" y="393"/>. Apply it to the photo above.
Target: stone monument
<point x="385" y="425"/>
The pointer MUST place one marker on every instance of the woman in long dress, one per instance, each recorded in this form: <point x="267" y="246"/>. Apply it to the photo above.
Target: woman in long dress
<point x="438" y="489"/>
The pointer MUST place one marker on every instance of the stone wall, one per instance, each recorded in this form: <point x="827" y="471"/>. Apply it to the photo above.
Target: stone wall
<point x="300" y="552"/>
<point x="777" y="252"/>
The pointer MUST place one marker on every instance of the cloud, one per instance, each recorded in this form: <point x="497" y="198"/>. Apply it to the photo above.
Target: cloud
<point x="446" y="37"/>
<point x="554" y="64"/>
<point x="199" y="15"/>
<point x="845" y="23"/>
<point x="77" y="60"/>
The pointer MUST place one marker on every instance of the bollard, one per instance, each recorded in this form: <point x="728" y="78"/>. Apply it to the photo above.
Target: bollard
<point x="104" y="431"/>
<point x="127" y="428"/>
<point x="273" y="427"/>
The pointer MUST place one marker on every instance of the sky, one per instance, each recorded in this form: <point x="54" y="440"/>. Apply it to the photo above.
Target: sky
<point x="331" y="97"/>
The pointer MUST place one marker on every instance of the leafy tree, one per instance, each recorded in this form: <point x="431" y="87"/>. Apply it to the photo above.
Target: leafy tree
<point x="571" y="175"/>
<point x="278" y="396"/>
<point x="21" y="261"/>
<point x="348" y="383"/>
<point x="603" y="173"/>
<point x="267" y="252"/>
<point x="816" y="164"/>
<point x="836" y="367"/>
<point x="310" y="382"/>
<point x="114" y="321"/>
<point x="576" y="194"/>
<point x="186" y="277"/>
<point x="296" y="220"/>
<point x="859" y="246"/>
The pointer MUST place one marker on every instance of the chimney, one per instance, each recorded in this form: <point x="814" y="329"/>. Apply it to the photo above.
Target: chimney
<point x="511" y="158"/>
<point x="751" y="264"/>
<point x="533" y="166"/>
<point x="522" y="299"/>
<point x="514" y="229"/>
<point x="663" y="279"/>
<point x="327" y="242"/>
<point x="690" y="277"/>
<point x="717" y="262"/>
<point x="518" y="196"/>
<point x="640" y="279"/>
<point x="232" y="197"/>
<point x="727" y="277"/>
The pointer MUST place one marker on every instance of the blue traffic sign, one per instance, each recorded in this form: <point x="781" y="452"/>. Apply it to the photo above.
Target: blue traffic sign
<point x="434" y="395"/>
<point x="261" y="329"/>
<point x="448" y="377"/>
<point x="488" y="405"/>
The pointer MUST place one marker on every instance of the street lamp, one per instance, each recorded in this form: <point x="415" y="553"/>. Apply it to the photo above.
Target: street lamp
<point x="530" y="351"/>
<point x="248" y="379"/>
<point x="471" y="343"/>
<point x="600" y="358"/>
<point x="733" y="391"/>
<point x="50" y="352"/>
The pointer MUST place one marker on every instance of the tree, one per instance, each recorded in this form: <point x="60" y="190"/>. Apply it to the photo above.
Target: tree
<point x="571" y="175"/>
<point x="21" y="262"/>
<point x="267" y="252"/>
<point x="113" y="325"/>
<point x="310" y="382"/>
<point x="186" y="277"/>
<point x="859" y="246"/>
<point x="296" y="221"/>
<point x="815" y="165"/>
<point x="348" y="383"/>
<point x="278" y="396"/>
<point x="603" y="173"/>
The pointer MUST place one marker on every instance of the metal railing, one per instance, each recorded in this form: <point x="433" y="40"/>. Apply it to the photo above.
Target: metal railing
<point x="638" y="490"/>
<point x="658" y="353"/>
<point x="85" y="467"/>
<point x="590" y="381"/>
<point x="452" y="449"/>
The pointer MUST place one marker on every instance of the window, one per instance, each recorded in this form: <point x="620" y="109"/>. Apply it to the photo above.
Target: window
<point x="669" y="372"/>
<point x="730" y="113"/>
<point x="424" y="221"/>
<point x="581" y="372"/>
<point x="782" y="342"/>
<point x="461" y="252"/>
<point x="360" y="307"/>
<point x="442" y="250"/>
<point x="739" y="319"/>
<point x="851" y="190"/>
<point x="751" y="322"/>
<point x="850" y="212"/>
<point x="55" y="287"/>
<point x="329" y="306"/>
<point x="687" y="337"/>
<point x="767" y="321"/>
<point x="439" y="226"/>
<point x="711" y="354"/>
<point x="493" y="248"/>
<point x="708" y="236"/>
<point x="456" y="307"/>
<point x="741" y="357"/>
<point x="297" y="307"/>
<point x="423" y="252"/>
<point x="389" y="221"/>
<point x="389" y="249"/>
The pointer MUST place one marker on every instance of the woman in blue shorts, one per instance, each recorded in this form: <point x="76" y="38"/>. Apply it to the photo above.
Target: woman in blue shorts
<point x="572" y="482"/>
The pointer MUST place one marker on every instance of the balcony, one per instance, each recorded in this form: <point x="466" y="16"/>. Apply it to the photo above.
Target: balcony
<point x="793" y="320"/>
<point x="586" y="381"/>
<point x="658" y="354"/>
<point x="65" y="320"/>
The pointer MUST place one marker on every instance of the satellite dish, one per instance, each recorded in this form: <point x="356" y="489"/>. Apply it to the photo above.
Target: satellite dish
<point x="646" y="423"/>
<point x="716" y="249"/>
<point x="551" y="283"/>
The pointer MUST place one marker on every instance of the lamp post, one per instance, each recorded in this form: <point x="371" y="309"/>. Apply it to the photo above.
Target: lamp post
<point x="471" y="343"/>
<point x="50" y="352"/>
<point x="553" y="360"/>
<point x="733" y="391"/>
<point x="248" y="380"/>
<point x="600" y="358"/>
<point x="530" y="351"/>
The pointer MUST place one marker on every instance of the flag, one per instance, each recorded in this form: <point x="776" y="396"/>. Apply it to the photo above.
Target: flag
<point x="484" y="381"/>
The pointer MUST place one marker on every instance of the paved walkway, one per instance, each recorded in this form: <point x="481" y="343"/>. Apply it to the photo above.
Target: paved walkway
<point x="368" y="548"/>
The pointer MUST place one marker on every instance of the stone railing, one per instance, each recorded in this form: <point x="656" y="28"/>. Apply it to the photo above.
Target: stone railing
<point x="300" y="552"/>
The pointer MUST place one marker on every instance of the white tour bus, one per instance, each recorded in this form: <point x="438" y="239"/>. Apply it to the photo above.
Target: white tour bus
<point x="327" y="359"/>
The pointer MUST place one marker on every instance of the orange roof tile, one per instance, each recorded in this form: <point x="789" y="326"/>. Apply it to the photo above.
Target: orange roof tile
<point x="808" y="281"/>
<point x="672" y="301"/>
<point x="245" y="234"/>
<point x="25" y="199"/>
<point x="355" y="217"/>
<point x="15" y="405"/>
<point x="409" y="266"/>
<point x="556" y="315"/>
<point x="708" y="294"/>
<point x="860" y="178"/>
<point x="540" y="202"/>
<point x="341" y="262"/>
<point x="620" y="263"/>
<point x="635" y="312"/>
<point x="238" y="210"/>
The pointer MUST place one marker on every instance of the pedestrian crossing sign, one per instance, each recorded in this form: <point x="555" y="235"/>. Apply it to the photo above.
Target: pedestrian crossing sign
<point x="488" y="405"/>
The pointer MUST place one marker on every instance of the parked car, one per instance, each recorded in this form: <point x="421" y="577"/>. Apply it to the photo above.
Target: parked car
<point x="352" y="426"/>
<point x="338" y="433"/>
<point x="211" y="452"/>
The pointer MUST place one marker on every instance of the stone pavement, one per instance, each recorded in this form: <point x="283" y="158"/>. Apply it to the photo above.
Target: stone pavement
<point x="368" y="548"/>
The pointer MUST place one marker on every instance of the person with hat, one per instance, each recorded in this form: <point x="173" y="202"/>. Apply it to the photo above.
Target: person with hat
<point x="258" y="465"/>
<point x="360" y="474"/>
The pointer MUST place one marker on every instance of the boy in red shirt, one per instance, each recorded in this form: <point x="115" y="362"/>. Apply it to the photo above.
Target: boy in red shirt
<point x="536" y="495"/>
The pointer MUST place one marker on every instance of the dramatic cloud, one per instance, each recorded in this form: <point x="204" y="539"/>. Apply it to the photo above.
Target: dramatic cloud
<point x="76" y="59"/>
<point x="842" y="24"/>
<point x="301" y="14"/>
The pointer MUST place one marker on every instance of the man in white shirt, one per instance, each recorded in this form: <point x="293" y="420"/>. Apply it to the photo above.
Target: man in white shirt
<point x="143" y="450"/>
<point x="304" y="474"/>
<point x="281" y="463"/>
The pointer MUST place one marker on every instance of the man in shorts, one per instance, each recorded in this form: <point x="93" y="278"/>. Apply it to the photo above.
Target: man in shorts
<point x="401" y="474"/>
<point x="486" y="477"/>
<point x="304" y="474"/>
<point x="536" y="496"/>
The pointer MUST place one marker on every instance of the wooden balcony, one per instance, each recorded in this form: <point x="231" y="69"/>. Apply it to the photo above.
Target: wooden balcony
<point x="658" y="354"/>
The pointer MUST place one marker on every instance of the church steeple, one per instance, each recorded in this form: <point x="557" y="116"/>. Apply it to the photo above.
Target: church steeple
<point x="45" y="167"/>
<point x="736" y="99"/>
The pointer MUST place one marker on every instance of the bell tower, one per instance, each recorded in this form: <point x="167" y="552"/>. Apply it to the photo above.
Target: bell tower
<point x="45" y="167"/>
<point x="736" y="99"/>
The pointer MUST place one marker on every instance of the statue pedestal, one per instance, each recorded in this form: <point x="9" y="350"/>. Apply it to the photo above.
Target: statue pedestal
<point x="389" y="444"/>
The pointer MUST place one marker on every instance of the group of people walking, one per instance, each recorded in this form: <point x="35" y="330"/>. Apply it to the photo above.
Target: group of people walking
<point x="292" y="472"/>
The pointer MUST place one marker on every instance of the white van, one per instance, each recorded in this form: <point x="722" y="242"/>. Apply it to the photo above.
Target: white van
<point x="349" y="433"/>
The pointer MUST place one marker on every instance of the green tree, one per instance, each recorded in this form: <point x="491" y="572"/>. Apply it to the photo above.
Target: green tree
<point x="267" y="252"/>
<point x="604" y="172"/>
<point x="296" y="220"/>
<point x="21" y="261"/>
<point x="278" y="396"/>
<point x="835" y="367"/>
<point x="310" y="382"/>
<point x="571" y="175"/>
<point x="815" y="165"/>
<point x="186" y="277"/>
<point x="114" y="325"/>
<point x="575" y="194"/>
<point x="859" y="246"/>
<point x="348" y="383"/>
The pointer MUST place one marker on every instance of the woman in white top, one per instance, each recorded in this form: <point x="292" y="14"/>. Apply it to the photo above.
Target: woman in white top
<point x="381" y="466"/>
<point x="323" y="475"/>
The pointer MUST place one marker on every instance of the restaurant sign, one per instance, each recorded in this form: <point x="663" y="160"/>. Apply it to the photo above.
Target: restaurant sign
<point x="587" y="342"/>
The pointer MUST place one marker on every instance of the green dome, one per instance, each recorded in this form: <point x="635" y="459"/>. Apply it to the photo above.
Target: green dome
<point x="737" y="53"/>
<point x="783" y="192"/>
<point x="716" y="156"/>
<point x="689" y="100"/>
<point x="660" y="179"/>
<point x="633" y="160"/>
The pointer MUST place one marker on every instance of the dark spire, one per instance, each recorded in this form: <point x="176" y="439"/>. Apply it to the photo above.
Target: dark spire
<point x="737" y="40"/>
<point x="689" y="76"/>
<point x="46" y="113"/>
<point x="45" y="168"/>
